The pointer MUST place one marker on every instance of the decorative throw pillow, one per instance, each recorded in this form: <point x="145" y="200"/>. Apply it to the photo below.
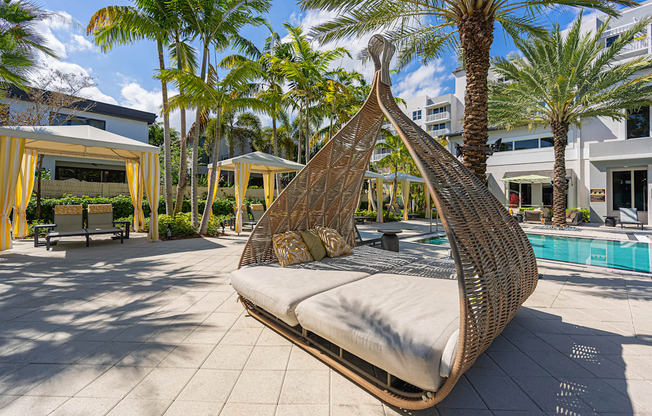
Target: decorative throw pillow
<point x="290" y="248"/>
<point x="333" y="242"/>
<point x="312" y="240"/>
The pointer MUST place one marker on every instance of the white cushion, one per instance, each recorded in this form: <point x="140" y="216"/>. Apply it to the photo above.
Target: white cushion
<point x="278" y="290"/>
<point x="448" y="356"/>
<point x="398" y="323"/>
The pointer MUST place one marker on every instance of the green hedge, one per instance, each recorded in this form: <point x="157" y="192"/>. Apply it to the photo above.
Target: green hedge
<point x="122" y="206"/>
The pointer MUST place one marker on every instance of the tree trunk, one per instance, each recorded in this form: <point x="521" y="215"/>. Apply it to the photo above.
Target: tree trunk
<point x="560" y="135"/>
<point x="206" y="216"/>
<point x="167" y="150"/>
<point x="476" y="37"/>
<point x="194" y="196"/>
<point x="394" y="187"/>
<point x="370" y="197"/>
<point x="307" y="134"/>
<point x="330" y="128"/>
<point x="299" y="132"/>
<point x="183" y="153"/>
<point x="39" y="170"/>
<point x="274" y="136"/>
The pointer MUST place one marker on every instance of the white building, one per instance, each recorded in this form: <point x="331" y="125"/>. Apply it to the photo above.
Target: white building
<point x="603" y="157"/>
<point x="439" y="116"/>
<point x="127" y="122"/>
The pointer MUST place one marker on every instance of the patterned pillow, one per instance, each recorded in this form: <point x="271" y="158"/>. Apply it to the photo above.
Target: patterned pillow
<point x="68" y="209"/>
<point x="290" y="248"/>
<point x="334" y="244"/>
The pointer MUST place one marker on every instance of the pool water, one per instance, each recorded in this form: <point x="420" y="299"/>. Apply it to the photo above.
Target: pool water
<point x="625" y="255"/>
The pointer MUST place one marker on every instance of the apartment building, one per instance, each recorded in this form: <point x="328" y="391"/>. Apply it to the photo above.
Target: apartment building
<point x="608" y="163"/>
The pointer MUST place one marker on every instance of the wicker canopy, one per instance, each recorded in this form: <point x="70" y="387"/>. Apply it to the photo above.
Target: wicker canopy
<point x="494" y="261"/>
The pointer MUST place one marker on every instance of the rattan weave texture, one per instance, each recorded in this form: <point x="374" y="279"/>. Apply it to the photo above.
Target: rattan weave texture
<point x="495" y="264"/>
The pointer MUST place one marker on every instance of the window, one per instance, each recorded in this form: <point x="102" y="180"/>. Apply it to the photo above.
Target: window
<point x="638" y="123"/>
<point x="622" y="189"/>
<point x="547" y="142"/>
<point x="63" y="173"/>
<point x="546" y="195"/>
<point x="506" y="146"/>
<point x="67" y="120"/>
<point x="525" y="196"/>
<point x="610" y="40"/>
<point x="416" y="115"/>
<point x="526" y="144"/>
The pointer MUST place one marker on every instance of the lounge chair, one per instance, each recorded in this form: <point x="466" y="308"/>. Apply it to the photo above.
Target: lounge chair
<point x="403" y="328"/>
<point x="100" y="221"/>
<point x="257" y="211"/>
<point x="69" y="222"/>
<point x="629" y="216"/>
<point x="532" y="216"/>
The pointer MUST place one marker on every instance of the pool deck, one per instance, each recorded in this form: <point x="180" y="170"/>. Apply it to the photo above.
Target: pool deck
<point x="154" y="329"/>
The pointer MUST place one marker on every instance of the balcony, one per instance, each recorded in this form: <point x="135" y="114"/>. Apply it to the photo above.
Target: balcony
<point x="439" y="116"/>
<point x="439" y="133"/>
<point x="640" y="43"/>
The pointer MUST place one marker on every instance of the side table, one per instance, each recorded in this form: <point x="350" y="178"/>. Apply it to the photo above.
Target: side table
<point x="37" y="230"/>
<point x="127" y="225"/>
<point x="389" y="240"/>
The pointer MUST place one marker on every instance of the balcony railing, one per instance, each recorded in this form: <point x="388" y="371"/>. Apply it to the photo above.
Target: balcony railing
<point x="439" y="132"/>
<point x="439" y="116"/>
<point x="617" y="30"/>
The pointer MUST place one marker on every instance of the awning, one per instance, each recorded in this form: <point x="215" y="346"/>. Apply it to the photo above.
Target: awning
<point x="402" y="177"/>
<point x="260" y="163"/>
<point x="528" y="179"/>
<point x="372" y="175"/>
<point x="79" y="141"/>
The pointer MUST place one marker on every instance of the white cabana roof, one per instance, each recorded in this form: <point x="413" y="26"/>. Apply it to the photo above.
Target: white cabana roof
<point x="402" y="176"/>
<point x="372" y="175"/>
<point x="260" y="163"/>
<point x="78" y="141"/>
<point x="528" y="179"/>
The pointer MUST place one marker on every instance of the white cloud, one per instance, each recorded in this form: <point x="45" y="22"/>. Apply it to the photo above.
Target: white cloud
<point x="425" y="80"/>
<point x="79" y="43"/>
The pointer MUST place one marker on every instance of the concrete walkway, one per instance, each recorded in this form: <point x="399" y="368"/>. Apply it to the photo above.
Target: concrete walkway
<point x="154" y="329"/>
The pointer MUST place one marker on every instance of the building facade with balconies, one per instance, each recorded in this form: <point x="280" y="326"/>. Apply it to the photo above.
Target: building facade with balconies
<point x="608" y="162"/>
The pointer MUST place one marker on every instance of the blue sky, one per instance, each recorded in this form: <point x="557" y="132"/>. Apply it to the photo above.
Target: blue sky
<point x="124" y="75"/>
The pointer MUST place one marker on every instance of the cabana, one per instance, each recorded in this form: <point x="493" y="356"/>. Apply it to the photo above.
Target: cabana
<point x="520" y="180"/>
<point x="243" y="166"/>
<point x="19" y="150"/>
<point x="379" y="192"/>
<point x="405" y="180"/>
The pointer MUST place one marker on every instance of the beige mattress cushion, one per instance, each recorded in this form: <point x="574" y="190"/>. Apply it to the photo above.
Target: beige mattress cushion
<point x="398" y="323"/>
<point x="279" y="290"/>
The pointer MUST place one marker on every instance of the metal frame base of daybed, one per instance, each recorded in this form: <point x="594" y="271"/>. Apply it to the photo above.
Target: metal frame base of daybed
<point x="382" y="389"/>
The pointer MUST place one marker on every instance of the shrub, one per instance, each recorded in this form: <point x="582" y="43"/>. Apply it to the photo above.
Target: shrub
<point x="365" y="213"/>
<point x="180" y="225"/>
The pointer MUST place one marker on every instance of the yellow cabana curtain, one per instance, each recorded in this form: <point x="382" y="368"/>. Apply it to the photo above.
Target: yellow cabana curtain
<point x="11" y="157"/>
<point x="215" y="185"/>
<point x="379" y="200"/>
<point x="405" y="189"/>
<point x="242" y="171"/>
<point x="151" y="171"/>
<point x="268" y="185"/>
<point x="135" y="183"/>
<point x="24" y="189"/>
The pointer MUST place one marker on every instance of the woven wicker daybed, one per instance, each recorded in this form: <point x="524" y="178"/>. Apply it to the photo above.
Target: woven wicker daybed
<point x="403" y="327"/>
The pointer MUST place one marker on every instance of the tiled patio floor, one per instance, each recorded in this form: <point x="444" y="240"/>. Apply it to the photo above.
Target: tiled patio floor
<point x="154" y="329"/>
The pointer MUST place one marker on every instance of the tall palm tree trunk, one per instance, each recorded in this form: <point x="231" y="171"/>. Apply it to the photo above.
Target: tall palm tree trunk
<point x="206" y="216"/>
<point x="183" y="164"/>
<point x="476" y="37"/>
<point x="560" y="135"/>
<point x="274" y="136"/>
<point x="307" y="134"/>
<point x="194" y="194"/>
<point x="167" y="148"/>
<point x="299" y="132"/>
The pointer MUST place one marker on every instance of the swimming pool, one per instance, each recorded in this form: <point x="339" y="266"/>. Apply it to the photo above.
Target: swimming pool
<point x="625" y="255"/>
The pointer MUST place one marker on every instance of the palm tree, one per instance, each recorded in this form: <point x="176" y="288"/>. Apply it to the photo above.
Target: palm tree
<point x="564" y="79"/>
<point x="305" y="71"/>
<point x="148" y="19"/>
<point x="19" y="41"/>
<point x="230" y="94"/>
<point x="398" y="159"/>
<point x="217" y="25"/>
<point x="425" y="29"/>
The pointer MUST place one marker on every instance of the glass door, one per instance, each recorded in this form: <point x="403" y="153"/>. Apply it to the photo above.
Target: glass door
<point x="629" y="190"/>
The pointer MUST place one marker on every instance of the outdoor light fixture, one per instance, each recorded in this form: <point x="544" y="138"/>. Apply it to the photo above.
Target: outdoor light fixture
<point x="169" y="234"/>
<point x="493" y="147"/>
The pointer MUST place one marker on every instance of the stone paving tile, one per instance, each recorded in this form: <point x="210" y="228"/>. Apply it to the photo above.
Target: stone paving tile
<point x="210" y="386"/>
<point x="140" y="407"/>
<point x="259" y="387"/>
<point x="85" y="406"/>
<point x="168" y="319"/>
